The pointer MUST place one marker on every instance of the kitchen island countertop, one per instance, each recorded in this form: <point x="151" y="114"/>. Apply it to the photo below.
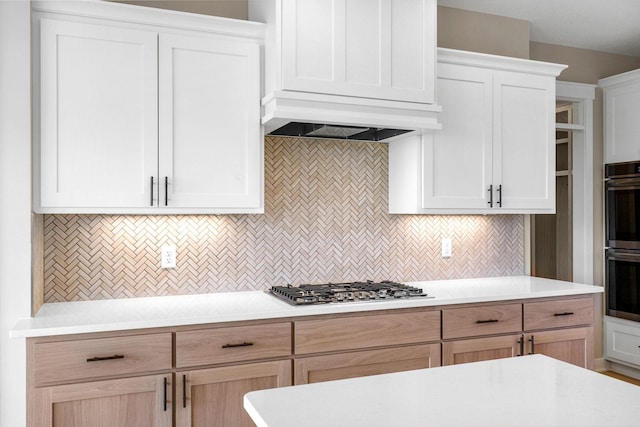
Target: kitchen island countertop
<point x="533" y="390"/>
<point x="167" y="311"/>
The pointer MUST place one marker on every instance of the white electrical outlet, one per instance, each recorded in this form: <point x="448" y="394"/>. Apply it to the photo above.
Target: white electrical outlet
<point x="446" y="247"/>
<point x="168" y="256"/>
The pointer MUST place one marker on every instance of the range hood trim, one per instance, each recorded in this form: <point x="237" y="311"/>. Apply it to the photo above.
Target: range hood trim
<point x="282" y="107"/>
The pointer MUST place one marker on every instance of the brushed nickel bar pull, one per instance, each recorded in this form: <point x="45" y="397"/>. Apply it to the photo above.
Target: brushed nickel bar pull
<point x="566" y="313"/>
<point x="490" y="190"/>
<point x="100" y="359"/>
<point x="244" y="344"/>
<point x="487" y="321"/>
<point x="184" y="391"/>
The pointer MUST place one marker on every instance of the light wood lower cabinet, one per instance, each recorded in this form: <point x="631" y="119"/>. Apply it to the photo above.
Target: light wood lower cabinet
<point x="140" y="402"/>
<point x="478" y="349"/>
<point x="559" y="328"/>
<point x="369" y="362"/>
<point x="573" y="345"/>
<point x="214" y="397"/>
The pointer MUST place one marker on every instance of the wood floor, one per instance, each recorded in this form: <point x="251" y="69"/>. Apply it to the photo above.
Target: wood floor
<point x="622" y="377"/>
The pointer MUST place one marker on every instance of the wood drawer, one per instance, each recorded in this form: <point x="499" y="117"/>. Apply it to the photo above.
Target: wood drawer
<point x="350" y="333"/>
<point x="477" y="321"/>
<point x="558" y="314"/>
<point x="68" y="361"/>
<point x="232" y="344"/>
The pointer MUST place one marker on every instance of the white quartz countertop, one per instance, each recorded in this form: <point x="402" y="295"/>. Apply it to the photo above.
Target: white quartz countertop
<point x="153" y="312"/>
<point x="520" y="391"/>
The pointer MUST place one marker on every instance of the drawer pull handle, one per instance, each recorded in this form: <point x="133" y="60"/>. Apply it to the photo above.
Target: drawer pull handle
<point x="566" y="313"/>
<point x="487" y="321"/>
<point x="164" y="382"/>
<point x="184" y="391"/>
<point x="244" y="344"/>
<point x="533" y="344"/>
<point x="100" y="359"/>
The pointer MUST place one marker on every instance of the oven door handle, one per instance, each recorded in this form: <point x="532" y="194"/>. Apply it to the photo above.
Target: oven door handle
<point x="633" y="256"/>
<point x="623" y="184"/>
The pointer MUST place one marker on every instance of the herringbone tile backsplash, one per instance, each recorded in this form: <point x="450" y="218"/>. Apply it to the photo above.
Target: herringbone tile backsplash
<point x="325" y="220"/>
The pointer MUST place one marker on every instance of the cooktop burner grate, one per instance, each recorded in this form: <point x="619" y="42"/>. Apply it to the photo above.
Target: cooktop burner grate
<point x="345" y="292"/>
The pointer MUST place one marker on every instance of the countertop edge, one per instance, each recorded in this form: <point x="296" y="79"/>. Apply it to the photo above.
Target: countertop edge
<point x="79" y="317"/>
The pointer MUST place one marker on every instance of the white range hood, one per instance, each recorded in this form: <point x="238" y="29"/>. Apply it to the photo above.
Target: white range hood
<point x="350" y="70"/>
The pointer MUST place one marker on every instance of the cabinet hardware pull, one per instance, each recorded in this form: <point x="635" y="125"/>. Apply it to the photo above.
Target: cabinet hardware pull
<point x="166" y="191"/>
<point x="566" y="313"/>
<point x="521" y="346"/>
<point x="499" y="195"/>
<point x="151" y="193"/>
<point x="487" y="321"/>
<point x="244" y="344"/>
<point x="100" y="359"/>
<point x="532" y="345"/>
<point x="184" y="391"/>
<point x="490" y="190"/>
<point x="165" y="393"/>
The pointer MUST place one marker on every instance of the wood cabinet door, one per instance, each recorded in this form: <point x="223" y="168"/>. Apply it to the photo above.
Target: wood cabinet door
<point x="129" y="402"/>
<point x="367" y="362"/>
<point x="383" y="49"/>
<point x="214" y="397"/>
<point x="456" y="160"/>
<point x="478" y="349"/>
<point x="569" y="345"/>
<point x="524" y="141"/>
<point x="98" y="117"/>
<point x="210" y="135"/>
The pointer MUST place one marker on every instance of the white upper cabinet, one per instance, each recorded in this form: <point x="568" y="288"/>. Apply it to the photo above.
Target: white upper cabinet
<point x="382" y="49"/>
<point x="209" y="123"/>
<point x="495" y="152"/>
<point x="139" y="116"/>
<point x="99" y="132"/>
<point x="621" y="117"/>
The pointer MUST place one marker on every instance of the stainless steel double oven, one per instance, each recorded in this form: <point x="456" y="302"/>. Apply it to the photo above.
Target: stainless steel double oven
<point x="622" y="252"/>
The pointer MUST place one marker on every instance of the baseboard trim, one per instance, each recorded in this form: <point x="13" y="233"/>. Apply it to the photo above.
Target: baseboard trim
<point x="624" y="369"/>
<point x="601" y="364"/>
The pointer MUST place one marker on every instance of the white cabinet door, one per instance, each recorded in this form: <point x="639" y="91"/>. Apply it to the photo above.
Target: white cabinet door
<point x="383" y="49"/>
<point x="98" y="107"/>
<point x="210" y="138"/>
<point x="457" y="160"/>
<point x="523" y="141"/>
<point x="622" y="122"/>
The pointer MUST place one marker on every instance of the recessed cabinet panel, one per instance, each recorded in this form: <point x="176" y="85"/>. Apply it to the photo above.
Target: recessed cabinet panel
<point x="621" y="103"/>
<point x="210" y="143"/>
<point x="523" y="138"/>
<point x="98" y="111"/>
<point x="464" y="141"/>
<point x="140" y="401"/>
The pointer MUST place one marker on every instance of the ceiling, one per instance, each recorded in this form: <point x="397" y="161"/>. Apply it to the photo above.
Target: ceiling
<point x="604" y="25"/>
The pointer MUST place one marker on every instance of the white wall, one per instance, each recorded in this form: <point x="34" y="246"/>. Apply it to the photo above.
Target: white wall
<point x="15" y="204"/>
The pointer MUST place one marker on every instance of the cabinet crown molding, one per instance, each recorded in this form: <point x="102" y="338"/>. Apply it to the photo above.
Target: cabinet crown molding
<point x="496" y="62"/>
<point x="620" y="79"/>
<point x="133" y="14"/>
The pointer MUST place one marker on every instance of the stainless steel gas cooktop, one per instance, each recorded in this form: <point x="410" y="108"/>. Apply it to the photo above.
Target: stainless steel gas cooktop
<point x="346" y="292"/>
